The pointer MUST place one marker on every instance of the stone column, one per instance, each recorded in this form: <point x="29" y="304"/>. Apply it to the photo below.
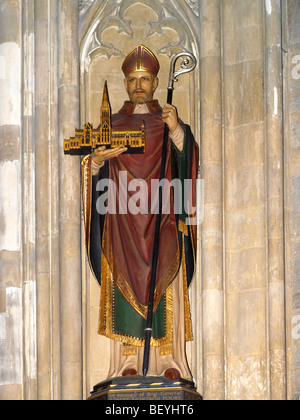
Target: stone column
<point x="212" y="226"/>
<point x="70" y="211"/>
<point x="245" y="217"/>
<point x="11" y="348"/>
<point x="274" y="139"/>
<point x="46" y="185"/>
<point x="291" y="53"/>
<point x="29" y="217"/>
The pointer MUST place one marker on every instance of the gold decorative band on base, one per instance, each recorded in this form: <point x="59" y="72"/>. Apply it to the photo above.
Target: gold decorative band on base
<point x="150" y="388"/>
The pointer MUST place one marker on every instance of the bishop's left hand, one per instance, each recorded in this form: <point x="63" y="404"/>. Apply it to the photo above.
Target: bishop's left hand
<point x="170" y="117"/>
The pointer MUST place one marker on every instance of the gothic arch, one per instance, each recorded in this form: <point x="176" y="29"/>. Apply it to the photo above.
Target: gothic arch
<point x="98" y="15"/>
<point x="109" y="30"/>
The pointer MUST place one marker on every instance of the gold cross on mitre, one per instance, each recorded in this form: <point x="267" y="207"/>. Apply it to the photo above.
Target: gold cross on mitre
<point x="88" y="138"/>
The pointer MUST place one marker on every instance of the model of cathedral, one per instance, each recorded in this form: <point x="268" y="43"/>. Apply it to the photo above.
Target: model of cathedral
<point x="88" y="139"/>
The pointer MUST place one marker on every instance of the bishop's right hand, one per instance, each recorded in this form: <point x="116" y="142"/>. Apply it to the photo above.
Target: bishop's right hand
<point x="101" y="154"/>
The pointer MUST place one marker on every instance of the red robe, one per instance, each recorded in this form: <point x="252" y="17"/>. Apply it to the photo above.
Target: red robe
<point x="126" y="240"/>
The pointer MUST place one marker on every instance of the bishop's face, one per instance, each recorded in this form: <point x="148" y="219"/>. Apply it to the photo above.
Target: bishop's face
<point x="140" y="86"/>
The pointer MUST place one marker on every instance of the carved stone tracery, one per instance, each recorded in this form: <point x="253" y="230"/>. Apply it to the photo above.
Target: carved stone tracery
<point x="84" y="5"/>
<point x="163" y="22"/>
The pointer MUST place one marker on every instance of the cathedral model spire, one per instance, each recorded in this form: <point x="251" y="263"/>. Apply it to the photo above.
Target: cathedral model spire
<point x="105" y="118"/>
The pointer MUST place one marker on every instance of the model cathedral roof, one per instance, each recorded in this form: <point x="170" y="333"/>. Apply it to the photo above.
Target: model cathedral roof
<point x="88" y="139"/>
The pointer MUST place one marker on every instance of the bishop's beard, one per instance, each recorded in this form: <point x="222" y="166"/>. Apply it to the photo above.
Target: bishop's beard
<point x="139" y="96"/>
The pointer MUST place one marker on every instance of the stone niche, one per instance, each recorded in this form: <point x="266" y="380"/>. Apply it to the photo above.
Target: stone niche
<point x="108" y="34"/>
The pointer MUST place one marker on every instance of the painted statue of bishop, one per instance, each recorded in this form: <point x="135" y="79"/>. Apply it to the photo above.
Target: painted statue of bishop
<point x="120" y="235"/>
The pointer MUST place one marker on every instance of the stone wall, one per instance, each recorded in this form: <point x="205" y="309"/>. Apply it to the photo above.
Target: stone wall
<point x="291" y="132"/>
<point x="242" y="103"/>
<point x="11" y="246"/>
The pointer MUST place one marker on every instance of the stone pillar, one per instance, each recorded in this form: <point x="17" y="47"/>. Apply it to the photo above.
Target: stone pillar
<point x="212" y="226"/>
<point x="245" y="221"/>
<point x="11" y="345"/>
<point x="46" y="170"/>
<point x="274" y="161"/>
<point x="28" y="207"/>
<point x="291" y="52"/>
<point x="70" y="209"/>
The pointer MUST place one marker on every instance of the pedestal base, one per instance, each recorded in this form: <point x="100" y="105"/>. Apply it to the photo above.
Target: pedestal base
<point x="146" y="389"/>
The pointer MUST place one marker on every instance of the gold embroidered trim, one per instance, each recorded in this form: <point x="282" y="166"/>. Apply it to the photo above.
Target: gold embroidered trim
<point x="166" y="349"/>
<point x="182" y="227"/>
<point x="129" y="350"/>
<point x="86" y="192"/>
<point x="106" y="320"/>
<point x="86" y="181"/>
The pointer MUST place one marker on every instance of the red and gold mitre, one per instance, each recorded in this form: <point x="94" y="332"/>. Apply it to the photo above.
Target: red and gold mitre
<point x="140" y="59"/>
